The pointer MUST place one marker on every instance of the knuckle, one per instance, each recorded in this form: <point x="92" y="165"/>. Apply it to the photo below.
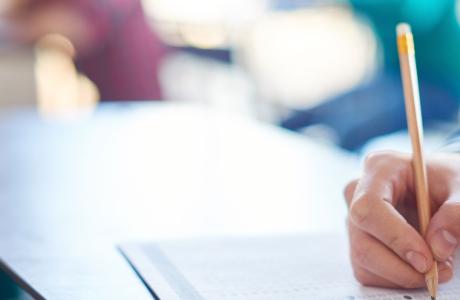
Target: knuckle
<point x="404" y="239"/>
<point x="360" y="211"/>
<point x="376" y="158"/>
<point x="381" y="159"/>
<point x="395" y="241"/>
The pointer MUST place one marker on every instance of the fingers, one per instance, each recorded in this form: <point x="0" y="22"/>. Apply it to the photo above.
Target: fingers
<point x="385" y="182"/>
<point x="370" y="279"/>
<point x="385" y="249"/>
<point x="376" y="265"/>
<point x="371" y="255"/>
<point x="373" y="212"/>
<point x="383" y="222"/>
<point x="444" y="231"/>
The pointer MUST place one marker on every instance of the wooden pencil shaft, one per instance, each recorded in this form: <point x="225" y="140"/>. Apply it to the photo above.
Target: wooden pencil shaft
<point x="408" y="66"/>
<point x="414" y="122"/>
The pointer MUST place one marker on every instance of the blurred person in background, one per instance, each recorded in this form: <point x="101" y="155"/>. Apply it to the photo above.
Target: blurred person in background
<point x="377" y="108"/>
<point x="115" y="46"/>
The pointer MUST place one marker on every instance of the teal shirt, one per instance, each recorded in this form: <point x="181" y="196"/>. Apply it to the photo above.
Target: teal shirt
<point x="436" y="33"/>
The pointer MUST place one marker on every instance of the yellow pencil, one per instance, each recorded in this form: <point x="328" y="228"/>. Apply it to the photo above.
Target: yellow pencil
<point x="406" y="52"/>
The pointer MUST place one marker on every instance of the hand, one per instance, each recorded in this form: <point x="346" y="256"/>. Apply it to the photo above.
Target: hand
<point x="386" y="248"/>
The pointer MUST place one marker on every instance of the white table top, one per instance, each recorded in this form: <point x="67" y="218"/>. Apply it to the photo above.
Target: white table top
<point x="154" y="171"/>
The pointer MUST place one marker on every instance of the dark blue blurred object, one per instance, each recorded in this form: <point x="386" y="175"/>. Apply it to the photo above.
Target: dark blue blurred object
<point x="221" y="55"/>
<point x="376" y="109"/>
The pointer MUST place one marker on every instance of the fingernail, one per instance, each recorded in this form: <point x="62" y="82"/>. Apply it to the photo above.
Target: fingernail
<point x="417" y="260"/>
<point x="443" y="244"/>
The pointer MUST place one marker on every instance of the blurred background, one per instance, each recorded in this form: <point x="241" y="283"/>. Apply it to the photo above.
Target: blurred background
<point x="326" y="69"/>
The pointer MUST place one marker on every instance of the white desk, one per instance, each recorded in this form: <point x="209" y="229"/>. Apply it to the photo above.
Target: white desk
<point x="70" y="192"/>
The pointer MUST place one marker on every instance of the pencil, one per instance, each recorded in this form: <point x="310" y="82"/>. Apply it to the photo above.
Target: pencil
<point x="406" y="53"/>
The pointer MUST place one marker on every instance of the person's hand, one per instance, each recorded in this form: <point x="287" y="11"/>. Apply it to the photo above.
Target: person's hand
<point x="385" y="246"/>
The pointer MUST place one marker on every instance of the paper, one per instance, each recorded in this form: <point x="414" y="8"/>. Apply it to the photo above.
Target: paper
<point x="283" y="268"/>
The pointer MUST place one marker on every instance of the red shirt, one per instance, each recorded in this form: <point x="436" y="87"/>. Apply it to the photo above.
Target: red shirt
<point x="124" y="54"/>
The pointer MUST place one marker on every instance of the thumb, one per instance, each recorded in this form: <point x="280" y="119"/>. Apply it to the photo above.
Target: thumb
<point x="443" y="233"/>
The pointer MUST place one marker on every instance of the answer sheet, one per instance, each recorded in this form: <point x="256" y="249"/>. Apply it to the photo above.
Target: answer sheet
<point x="281" y="268"/>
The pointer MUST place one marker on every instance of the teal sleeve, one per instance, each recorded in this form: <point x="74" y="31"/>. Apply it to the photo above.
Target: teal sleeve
<point x="423" y="15"/>
<point x="435" y="27"/>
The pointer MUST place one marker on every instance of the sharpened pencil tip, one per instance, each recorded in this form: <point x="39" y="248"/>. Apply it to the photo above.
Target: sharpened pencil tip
<point x="433" y="298"/>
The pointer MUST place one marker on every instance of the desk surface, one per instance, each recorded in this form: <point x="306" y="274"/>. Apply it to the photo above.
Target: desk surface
<point x="69" y="192"/>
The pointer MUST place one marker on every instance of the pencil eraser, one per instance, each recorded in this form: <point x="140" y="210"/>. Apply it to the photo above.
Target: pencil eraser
<point x="403" y="28"/>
